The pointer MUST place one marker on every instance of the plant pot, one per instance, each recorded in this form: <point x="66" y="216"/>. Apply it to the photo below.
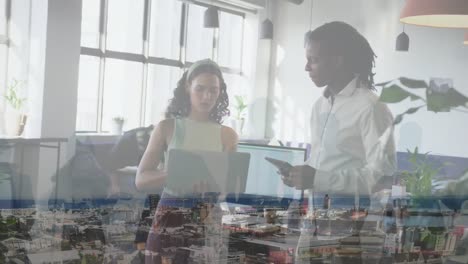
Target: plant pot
<point x="117" y="128"/>
<point x="237" y="125"/>
<point x="15" y="122"/>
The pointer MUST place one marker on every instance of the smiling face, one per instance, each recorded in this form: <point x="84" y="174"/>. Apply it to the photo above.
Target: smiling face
<point x="321" y="67"/>
<point x="204" y="91"/>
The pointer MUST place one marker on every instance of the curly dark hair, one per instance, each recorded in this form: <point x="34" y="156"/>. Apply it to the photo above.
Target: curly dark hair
<point x="341" y="39"/>
<point x="179" y="105"/>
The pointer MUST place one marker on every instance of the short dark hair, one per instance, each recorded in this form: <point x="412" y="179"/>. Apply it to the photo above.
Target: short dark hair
<point x="341" y="39"/>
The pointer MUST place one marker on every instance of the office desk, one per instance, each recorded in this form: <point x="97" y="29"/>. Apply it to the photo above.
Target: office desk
<point x="18" y="160"/>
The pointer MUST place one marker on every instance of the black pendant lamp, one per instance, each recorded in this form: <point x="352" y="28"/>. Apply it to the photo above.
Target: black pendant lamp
<point x="402" y="41"/>
<point x="266" y="28"/>
<point x="211" y="17"/>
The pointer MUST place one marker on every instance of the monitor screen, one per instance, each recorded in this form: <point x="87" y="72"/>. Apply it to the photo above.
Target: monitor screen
<point x="263" y="178"/>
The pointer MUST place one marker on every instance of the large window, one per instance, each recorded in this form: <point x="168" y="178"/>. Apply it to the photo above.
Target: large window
<point x="134" y="51"/>
<point x="4" y="21"/>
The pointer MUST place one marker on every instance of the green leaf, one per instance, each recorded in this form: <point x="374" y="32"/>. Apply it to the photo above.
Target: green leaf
<point x="414" y="155"/>
<point x="444" y="102"/>
<point x="383" y="83"/>
<point x="12" y="96"/>
<point x="240" y="106"/>
<point x="395" y="94"/>
<point x="412" y="110"/>
<point x="239" y="99"/>
<point x="398" y="119"/>
<point x="413" y="83"/>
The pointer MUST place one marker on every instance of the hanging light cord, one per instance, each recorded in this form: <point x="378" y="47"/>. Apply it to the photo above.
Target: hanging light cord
<point x="267" y="10"/>
<point x="311" y="10"/>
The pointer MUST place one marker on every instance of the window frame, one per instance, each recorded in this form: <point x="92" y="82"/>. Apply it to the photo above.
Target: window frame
<point x="6" y="40"/>
<point x="103" y="53"/>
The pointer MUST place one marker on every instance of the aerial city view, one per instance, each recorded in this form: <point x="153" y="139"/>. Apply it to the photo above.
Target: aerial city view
<point x="264" y="231"/>
<point x="233" y="132"/>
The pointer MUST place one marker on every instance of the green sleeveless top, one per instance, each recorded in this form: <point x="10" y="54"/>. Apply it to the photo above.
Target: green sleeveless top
<point x="195" y="135"/>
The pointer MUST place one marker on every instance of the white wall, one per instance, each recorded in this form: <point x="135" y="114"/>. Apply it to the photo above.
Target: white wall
<point x="255" y="70"/>
<point x="58" y="113"/>
<point x="290" y="93"/>
<point x="44" y="54"/>
<point x="433" y="53"/>
<point x="35" y="65"/>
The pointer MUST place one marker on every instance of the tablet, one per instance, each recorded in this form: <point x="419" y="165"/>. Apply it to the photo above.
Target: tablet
<point x="283" y="166"/>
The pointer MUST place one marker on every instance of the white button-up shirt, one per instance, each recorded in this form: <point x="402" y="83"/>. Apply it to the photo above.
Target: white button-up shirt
<point x="352" y="141"/>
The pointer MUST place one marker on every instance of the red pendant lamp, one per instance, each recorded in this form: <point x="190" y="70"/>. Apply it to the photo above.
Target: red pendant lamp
<point x="436" y="13"/>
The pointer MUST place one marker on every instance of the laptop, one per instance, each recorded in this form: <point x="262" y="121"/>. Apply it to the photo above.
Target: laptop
<point x="192" y="172"/>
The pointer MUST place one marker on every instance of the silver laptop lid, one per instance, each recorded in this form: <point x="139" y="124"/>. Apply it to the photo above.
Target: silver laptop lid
<point x="192" y="172"/>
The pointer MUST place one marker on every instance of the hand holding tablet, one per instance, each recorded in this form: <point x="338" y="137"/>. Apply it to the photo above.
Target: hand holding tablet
<point x="300" y="177"/>
<point x="282" y="166"/>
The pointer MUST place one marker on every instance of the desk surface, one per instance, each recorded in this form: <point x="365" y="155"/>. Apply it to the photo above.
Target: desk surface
<point x="16" y="140"/>
<point x="132" y="170"/>
<point x="291" y="242"/>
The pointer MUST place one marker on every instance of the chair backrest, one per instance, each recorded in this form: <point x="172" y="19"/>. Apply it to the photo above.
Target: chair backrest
<point x="130" y="148"/>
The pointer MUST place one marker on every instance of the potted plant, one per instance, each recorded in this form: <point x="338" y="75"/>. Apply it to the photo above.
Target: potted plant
<point x="15" y="118"/>
<point x="440" y="96"/>
<point x="239" y="118"/>
<point x="117" y="125"/>
<point x="418" y="181"/>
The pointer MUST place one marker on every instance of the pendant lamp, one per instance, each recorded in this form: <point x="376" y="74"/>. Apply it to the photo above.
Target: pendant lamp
<point x="402" y="41"/>
<point x="436" y="13"/>
<point x="266" y="28"/>
<point x="211" y="17"/>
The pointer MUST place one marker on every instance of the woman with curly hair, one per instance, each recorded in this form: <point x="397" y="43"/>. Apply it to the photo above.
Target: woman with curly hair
<point x="193" y="122"/>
